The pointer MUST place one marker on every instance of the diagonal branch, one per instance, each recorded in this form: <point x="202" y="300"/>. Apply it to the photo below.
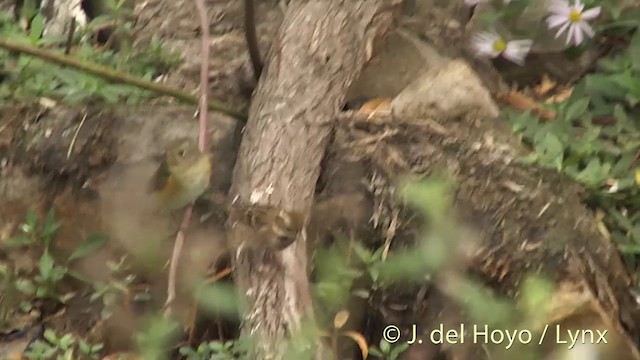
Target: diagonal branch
<point x="116" y="76"/>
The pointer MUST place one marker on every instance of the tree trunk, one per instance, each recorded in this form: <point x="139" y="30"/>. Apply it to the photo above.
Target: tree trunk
<point x="321" y="48"/>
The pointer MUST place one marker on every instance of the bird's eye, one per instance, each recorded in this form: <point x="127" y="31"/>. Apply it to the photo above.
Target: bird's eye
<point x="181" y="153"/>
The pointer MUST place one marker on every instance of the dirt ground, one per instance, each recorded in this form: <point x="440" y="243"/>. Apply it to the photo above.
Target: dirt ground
<point x="93" y="180"/>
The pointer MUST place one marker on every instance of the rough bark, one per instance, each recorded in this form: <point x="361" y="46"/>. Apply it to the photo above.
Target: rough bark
<point x="321" y="48"/>
<point x="59" y="15"/>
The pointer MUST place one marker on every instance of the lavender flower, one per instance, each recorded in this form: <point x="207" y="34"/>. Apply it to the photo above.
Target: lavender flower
<point x="573" y="18"/>
<point x="491" y="45"/>
<point x="471" y="3"/>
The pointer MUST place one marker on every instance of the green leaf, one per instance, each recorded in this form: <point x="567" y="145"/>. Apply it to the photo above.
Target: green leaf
<point x="551" y="149"/>
<point x="522" y="120"/>
<point x="97" y="348"/>
<point x="613" y="65"/>
<point x="25" y="286"/>
<point x="66" y="341"/>
<point x="623" y="166"/>
<point x="576" y="109"/>
<point x="93" y="243"/>
<point x="615" y="12"/>
<point x="31" y="222"/>
<point x="630" y="249"/>
<point x="375" y="352"/>
<point x="594" y="173"/>
<point x="226" y="301"/>
<point x="363" y="253"/>
<point x="37" y="28"/>
<point x="602" y="85"/>
<point x="620" y="114"/>
<point x="534" y="295"/>
<point x="41" y="292"/>
<point x="50" y="336"/>
<point x="398" y="349"/>
<point x="432" y="196"/>
<point x="46" y="264"/>
<point x="384" y="346"/>
<point x="49" y="227"/>
<point x="186" y="351"/>
<point x="18" y="241"/>
<point x="84" y="347"/>
<point x="634" y="50"/>
<point x="28" y="9"/>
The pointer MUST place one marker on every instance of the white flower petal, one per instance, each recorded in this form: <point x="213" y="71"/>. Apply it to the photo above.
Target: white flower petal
<point x="561" y="16"/>
<point x="591" y="13"/>
<point x="578" y="8"/>
<point x="562" y="29"/>
<point x="570" y="32"/>
<point x="482" y="44"/>
<point x="517" y="50"/>
<point x="586" y="28"/>
<point x="485" y="50"/>
<point x="578" y="35"/>
<point x="556" y="20"/>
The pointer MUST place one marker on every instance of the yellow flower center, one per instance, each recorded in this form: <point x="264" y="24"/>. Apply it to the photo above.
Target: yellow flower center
<point x="575" y="16"/>
<point x="499" y="46"/>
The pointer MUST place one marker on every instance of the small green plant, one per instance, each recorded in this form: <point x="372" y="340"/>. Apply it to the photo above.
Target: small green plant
<point x="112" y="292"/>
<point x="66" y="347"/>
<point x="26" y="77"/>
<point x="215" y="350"/>
<point x="595" y="138"/>
<point x="49" y="273"/>
<point x="32" y="232"/>
<point x="388" y="351"/>
<point x="335" y="278"/>
<point x="44" y="283"/>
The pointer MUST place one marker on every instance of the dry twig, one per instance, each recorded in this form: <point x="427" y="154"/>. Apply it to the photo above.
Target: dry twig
<point x="202" y="143"/>
<point x="116" y="76"/>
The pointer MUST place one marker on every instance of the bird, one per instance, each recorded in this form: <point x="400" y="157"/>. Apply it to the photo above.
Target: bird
<point x="182" y="176"/>
<point x="264" y="226"/>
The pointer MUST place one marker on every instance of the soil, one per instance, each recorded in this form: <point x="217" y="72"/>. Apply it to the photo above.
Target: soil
<point x="93" y="180"/>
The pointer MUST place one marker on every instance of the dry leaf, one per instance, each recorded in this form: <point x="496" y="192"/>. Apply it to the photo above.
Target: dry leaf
<point x="340" y="319"/>
<point x="560" y="96"/>
<point x="360" y="340"/>
<point x="219" y="275"/>
<point x="545" y="86"/>
<point x="523" y="102"/>
<point x="375" y="105"/>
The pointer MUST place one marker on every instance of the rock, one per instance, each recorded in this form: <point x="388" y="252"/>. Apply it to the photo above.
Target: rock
<point x="445" y="92"/>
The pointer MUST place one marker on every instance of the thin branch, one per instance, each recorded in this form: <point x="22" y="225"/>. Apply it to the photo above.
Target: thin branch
<point x="75" y="136"/>
<point x="119" y="77"/>
<point x="204" y="73"/>
<point x="173" y="269"/>
<point x="202" y="143"/>
<point x="251" y="36"/>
